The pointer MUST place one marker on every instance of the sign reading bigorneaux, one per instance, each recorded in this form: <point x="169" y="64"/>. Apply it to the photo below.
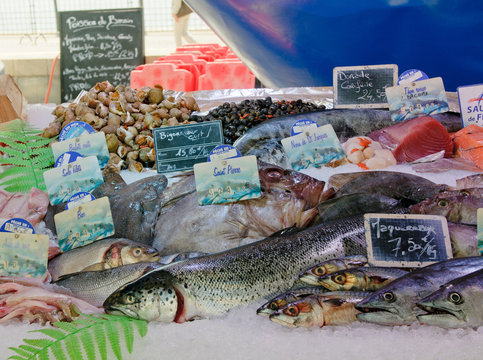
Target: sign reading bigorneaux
<point x="99" y="45"/>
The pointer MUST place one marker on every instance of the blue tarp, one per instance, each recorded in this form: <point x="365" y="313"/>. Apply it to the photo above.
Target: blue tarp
<point x="298" y="42"/>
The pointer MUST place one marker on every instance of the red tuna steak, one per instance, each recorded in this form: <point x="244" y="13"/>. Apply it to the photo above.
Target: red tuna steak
<point x="414" y="139"/>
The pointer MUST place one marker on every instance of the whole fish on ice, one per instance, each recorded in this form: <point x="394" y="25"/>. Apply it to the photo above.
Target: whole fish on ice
<point x="395" y="303"/>
<point x="211" y="285"/>
<point x="458" y="303"/>
<point x="289" y="198"/>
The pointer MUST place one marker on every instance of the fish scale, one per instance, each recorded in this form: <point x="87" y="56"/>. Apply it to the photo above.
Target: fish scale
<point x="214" y="284"/>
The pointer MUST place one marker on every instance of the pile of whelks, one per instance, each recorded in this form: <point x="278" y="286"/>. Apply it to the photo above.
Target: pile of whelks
<point x="303" y="239"/>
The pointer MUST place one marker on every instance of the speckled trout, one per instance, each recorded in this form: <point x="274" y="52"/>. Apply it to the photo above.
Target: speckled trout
<point x="211" y="285"/>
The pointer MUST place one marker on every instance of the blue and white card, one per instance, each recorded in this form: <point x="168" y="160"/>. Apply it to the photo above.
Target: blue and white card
<point x="471" y="104"/>
<point x="86" y="145"/>
<point x="75" y="129"/>
<point x="64" y="181"/>
<point x="420" y="98"/>
<point x="84" y="224"/>
<point x="221" y="152"/>
<point x="228" y="180"/>
<point x="17" y="225"/>
<point x="23" y="255"/>
<point x="313" y="148"/>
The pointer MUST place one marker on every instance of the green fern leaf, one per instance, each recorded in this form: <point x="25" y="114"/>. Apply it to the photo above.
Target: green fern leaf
<point x="28" y="348"/>
<point x="128" y="334"/>
<point x="100" y="337"/>
<point x="58" y="351"/>
<point x="21" y="352"/>
<point x="43" y="355"/>
<point x="142" y="327"/>
<point x="13" y="170"/>
<point x="113" y="337"/>
<point x="53" y="333"/>
<point x="73" y="348"/>
<point x="16" y="357"/>
<point x="88" y="345"/>
<point x="15" y="153"/>
<point x="39" y="343"/>
<point x="67" y="327"/>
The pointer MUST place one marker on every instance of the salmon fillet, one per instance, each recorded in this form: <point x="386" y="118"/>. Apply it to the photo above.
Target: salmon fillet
<point x="469" y="144"/>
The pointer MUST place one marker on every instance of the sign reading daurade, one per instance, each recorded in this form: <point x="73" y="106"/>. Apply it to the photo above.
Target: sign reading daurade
<point x="406" y="240"/>
<point x="178" y="148"/>
<point x="363" y="86"/>
<point x="99" y="45"/>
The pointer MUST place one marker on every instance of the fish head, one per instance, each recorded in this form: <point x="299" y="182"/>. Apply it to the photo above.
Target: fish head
<point x="279" y="302"/>
<point x="311" y="275"/>
<point x="152" y="297"/>
<point x="451" y="306"/>
<point x="300" y="313"/>
<point x="135" y="253"/>
<point x="340" y="280"/>
<point x="301" y="186"/>
<point x="394" y="304"/>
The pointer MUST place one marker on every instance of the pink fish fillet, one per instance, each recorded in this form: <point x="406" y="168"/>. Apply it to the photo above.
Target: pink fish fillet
<point x="414" y="139"/>
<point x="31" y="207"/>
<point x="33" y="300"/>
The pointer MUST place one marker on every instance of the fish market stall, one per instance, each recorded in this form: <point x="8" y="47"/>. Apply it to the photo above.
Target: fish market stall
<point x="166" y="247"/>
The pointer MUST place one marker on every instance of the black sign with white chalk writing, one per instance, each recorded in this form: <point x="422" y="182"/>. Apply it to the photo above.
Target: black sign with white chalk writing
<point x="363" y="86"/>
<point x="178" y="148"/>
<point x="406" y="240"/>
<point x="99" y="45"/>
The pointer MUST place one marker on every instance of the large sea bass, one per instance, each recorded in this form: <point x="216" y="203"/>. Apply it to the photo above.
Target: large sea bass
<point x="289" y="198"/>
<point x="211" y="285"/>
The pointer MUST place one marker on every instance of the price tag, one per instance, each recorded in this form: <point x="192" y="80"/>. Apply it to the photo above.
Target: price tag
<point x="479" y="229"/>
<point x="75" y="129"/>
<point x="420" y="98"/>
<point x="229" y="180"/>
<point x="313" y="148"/>
<point x="64" y="181"/>
<point x="471" y="104"/>
<point x="223" y="152"/>
<point x="86" y="145"/>
<point x="363" y="86"/>
<point x="84" y="224"/>
<point x="67" y="158"/>
<point x="410" y="76"/>
<point x="178" y="148"/>
<point x="23" y="255"/>
<point x="78" y="199"/>
<point x="17" y="225"/>
<point x="406" y="240"/>
<point x="302" y="125"/>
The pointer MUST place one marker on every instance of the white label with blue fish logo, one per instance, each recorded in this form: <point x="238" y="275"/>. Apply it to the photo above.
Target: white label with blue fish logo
<point x="17" y="225"/>
<point x="313" y="148"/>
<point x="221" y="152"/>
<point x="228" y="180"/>
<point x="86" y="145"/>
<point x="84" y="224"/>
<point x="471" y="104"/>
<point x="64" y="181"/>
<point x="23" y="255"/>
<point x="78" y="199"/>
<point x="75" y="129"/>
<point x="410" y="76"/>
<point x="302" y="125"/>
<point x="420" y="98"/>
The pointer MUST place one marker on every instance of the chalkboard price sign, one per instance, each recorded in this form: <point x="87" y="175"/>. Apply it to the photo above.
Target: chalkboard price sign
<point x="99" y="45"/>
<point x="178" y="148"/>
<point x="406" y="240"/>
<point x="363" y="86"/>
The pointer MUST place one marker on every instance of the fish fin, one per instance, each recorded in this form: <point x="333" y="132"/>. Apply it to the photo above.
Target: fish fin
<point x="94" y="267"/>
<point x="287" y="231"/>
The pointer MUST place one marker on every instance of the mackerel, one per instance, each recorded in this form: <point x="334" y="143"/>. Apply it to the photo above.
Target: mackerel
<point x="211" y="285"/>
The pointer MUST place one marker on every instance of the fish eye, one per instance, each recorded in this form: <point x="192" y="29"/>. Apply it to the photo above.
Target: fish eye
<point x="274" y="174"/>
<point x="320" y="270"/>
<point x="137" y="251"/>
<point x="465" y="193"/>
<point x="291" y="311"/>
<point x="273" y="306"/>
<point x="389" y="296"/>
<point x="339" y="279"/>
<point x="443" y="203"/>
<point x="455" y="298"/>
<point x="128" y="299"/>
